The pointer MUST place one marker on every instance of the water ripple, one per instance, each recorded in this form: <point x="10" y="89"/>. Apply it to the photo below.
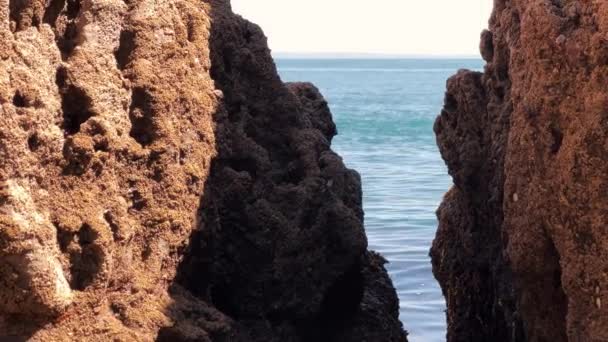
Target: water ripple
<point x="384" y="111"/>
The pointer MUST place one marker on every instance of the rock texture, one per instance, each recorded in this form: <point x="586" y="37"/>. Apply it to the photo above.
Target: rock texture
<point x="158" y="181"/>
<point x="522" y="248"/>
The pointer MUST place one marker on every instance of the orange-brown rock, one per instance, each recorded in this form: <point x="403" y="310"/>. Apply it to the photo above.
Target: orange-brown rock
<point x="158" y="181"/>
<point x="522" y="248"/>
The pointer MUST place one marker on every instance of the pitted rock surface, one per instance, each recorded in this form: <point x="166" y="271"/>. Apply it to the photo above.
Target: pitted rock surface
<point x="158" y="181"/>
<point x="522" y="250"/>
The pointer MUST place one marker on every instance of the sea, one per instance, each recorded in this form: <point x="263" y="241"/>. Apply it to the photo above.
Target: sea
<point x="384" y="110"/>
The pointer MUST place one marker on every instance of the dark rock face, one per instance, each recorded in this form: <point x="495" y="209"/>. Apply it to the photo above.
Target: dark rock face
<point x="282" y="243"/>
<point x="520" y="252"/>
<point x="467" y="253"/>
<point x="160" y="182"/>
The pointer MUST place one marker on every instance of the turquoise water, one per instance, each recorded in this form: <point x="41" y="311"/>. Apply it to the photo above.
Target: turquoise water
<point x="384" y="110"/>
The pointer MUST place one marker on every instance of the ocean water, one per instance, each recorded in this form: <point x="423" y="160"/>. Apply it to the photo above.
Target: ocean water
<point x="384" y="110"/>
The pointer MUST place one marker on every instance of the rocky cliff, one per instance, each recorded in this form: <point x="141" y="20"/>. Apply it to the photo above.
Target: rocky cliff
<point x="159" y="182"/>
<point x="522" y="248"/>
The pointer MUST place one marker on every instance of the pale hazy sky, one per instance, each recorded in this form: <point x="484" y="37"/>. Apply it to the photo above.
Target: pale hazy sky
<point x="433" y="27"/>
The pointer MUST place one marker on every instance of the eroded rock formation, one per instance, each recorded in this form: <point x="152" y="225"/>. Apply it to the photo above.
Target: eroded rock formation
<point x="522" y="248"/>
<point x="160" y="182"/>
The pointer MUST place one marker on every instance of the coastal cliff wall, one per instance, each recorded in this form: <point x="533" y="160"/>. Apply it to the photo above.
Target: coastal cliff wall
<point x="159" y="182"/>
<point x="521" y="252"/>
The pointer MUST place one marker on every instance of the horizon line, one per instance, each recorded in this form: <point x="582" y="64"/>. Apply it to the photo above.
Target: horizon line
<point x="379" y="55"/>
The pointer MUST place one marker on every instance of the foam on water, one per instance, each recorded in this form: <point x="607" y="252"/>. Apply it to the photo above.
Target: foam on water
<point x="384" y="110"/>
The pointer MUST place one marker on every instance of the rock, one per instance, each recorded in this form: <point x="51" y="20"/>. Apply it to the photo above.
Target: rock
<point x="486" y="46"/>
<point x="531" y="128"/>
<point x="159" y="182"/>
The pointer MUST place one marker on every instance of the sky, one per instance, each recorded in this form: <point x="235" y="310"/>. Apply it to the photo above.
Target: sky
<point x="404" y="27"/>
